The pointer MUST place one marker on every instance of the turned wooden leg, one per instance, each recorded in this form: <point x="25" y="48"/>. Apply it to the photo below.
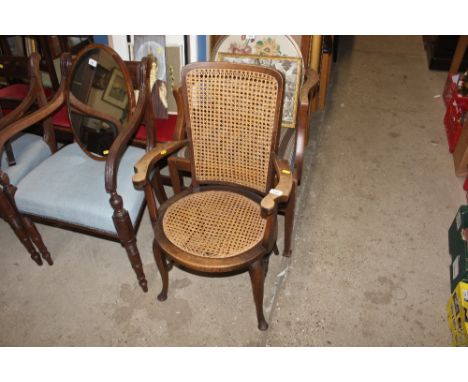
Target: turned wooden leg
<point x="257" y="277"/>
<point x="127" y="237"/>
<point x="37" y="239"/>
<point x="14" y="220"/>
<point x="289" y="222"/>
<point x="163" y="270"/>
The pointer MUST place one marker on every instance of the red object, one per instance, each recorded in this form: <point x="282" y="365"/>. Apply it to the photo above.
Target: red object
<point x="19" y="91"/>
<point x="457" y="107"/>
<point x="61" y="118"/>
<point x="451" y="91"/>
<point x="164" y="129"/>
<point x="453" y="120"/>
<point x="465" y="184"/>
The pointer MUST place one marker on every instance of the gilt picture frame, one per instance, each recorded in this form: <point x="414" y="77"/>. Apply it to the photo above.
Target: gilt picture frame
<point x="290" y="67"/>
<point x="116" y="91"/>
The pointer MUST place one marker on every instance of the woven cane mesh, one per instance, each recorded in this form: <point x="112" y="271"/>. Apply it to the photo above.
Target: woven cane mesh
<point x="214" y="224"/>
<point x="232" y="119"/>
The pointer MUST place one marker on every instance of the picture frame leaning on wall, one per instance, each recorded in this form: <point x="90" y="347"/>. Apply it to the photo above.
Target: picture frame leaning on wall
<point x="291" y="68"/>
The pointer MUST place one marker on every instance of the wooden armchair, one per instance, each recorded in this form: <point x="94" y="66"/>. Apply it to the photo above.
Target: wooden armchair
<point x="86" y="186"/>
<point x="226" y="220"/>
<point x="283" y="53"/>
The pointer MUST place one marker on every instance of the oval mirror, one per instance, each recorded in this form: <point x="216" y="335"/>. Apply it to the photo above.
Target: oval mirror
<point x="99" y="99"/>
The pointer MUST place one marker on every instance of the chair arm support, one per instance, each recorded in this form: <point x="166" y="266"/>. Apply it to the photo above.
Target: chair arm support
<point x="20" y="110"/>
<point x="144" y="166"/>
<point x="31" y="119"/>
<point x="120" y="143"/>
<point x="282" y="190"/>
<point x="312" y="81"/>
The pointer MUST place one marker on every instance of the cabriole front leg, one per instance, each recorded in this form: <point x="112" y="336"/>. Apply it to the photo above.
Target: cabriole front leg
<point x="127" y="237"/>
<point x="257" y="278"/>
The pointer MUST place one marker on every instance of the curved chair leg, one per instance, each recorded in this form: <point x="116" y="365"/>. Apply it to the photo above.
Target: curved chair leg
<point x="37" y="239"/>
<point x="289" y="221"/>
<point x="15" y="223"/>
<point x="275" y="249"/>
<point x="163" y="270"/>
<point x="257" y="277"/>
<point x="127" y="237"/>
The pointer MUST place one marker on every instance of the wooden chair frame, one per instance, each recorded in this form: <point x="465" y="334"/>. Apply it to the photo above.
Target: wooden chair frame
<point x="255" y="259"/>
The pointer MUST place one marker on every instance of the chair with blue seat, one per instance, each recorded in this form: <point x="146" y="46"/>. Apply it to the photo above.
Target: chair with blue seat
<point x="87" y="186"/>
<point x="23" y="152"/>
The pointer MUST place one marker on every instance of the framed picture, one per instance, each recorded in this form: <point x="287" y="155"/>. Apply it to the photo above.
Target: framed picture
<point x="175" y="59"/>
<point x="290" y="67"/>
<point x="116" y="91"/>
<point x="262" y="45"/>
<point x="101" y="77"/>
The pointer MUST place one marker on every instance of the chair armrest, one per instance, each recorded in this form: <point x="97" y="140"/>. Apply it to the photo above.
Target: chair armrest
<point x="144" y="166"/>
<point x="282" y="190"/>
<point x="312" y="81"/>
<point x="31" y="119"/>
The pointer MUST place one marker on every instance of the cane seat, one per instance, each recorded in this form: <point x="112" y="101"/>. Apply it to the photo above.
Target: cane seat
<point x="214" y="224"/>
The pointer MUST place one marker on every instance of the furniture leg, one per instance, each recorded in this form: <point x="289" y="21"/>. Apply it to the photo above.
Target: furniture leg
<point x="289" y="221"/>
<point x="15" y="223"/>
<point x="275" y="249"/>
<point x="158" y="186"/>
<point x="324" y="78"/>
<point x="37" y="239"/>
<point x="176" y="176"/>
<point x="257" y="277"/>
<point x="127" y="237"/>
<point x="162" y="266"/>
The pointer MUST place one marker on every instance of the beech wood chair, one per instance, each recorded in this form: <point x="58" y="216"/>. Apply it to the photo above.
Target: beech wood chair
<point x="293" y="141"/>
<point x="86" y="186"/>
<point x="227" y="219"/>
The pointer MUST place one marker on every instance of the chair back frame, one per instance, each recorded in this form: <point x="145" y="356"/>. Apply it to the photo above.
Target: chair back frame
<point x="276" y="120"/>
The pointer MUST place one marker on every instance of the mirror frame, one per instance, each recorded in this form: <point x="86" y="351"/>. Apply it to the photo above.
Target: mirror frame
<point x="73" y="102"/>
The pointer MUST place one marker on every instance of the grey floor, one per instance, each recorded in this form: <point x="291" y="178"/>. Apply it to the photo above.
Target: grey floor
<point x="370" y="261"/>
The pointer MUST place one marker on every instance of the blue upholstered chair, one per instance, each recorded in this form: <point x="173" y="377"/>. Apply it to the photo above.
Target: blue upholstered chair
<point x="87" y="186"/>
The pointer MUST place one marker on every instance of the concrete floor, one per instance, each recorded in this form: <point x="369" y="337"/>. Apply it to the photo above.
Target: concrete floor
<point x="370" y="260"/>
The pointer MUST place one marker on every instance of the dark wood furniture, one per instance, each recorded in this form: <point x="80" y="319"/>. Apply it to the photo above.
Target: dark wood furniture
<point x="291" y="147"/>
<point x="227" y="219"/>
<point x="27" y="150"/>
<point x="84" y="205"/>
<point x="441" y="49"/>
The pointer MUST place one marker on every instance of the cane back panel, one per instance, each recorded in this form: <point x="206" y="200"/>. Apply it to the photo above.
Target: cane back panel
<point x="233" y="119"/>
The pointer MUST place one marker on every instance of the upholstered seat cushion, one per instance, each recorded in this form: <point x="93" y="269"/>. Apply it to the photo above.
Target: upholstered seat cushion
<point x="29" y="151"/>
<point x="69" y="187"/>
<point x="19" y="91"/>
<point x="164" y="129"/>
<point x="61" y="118"/>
